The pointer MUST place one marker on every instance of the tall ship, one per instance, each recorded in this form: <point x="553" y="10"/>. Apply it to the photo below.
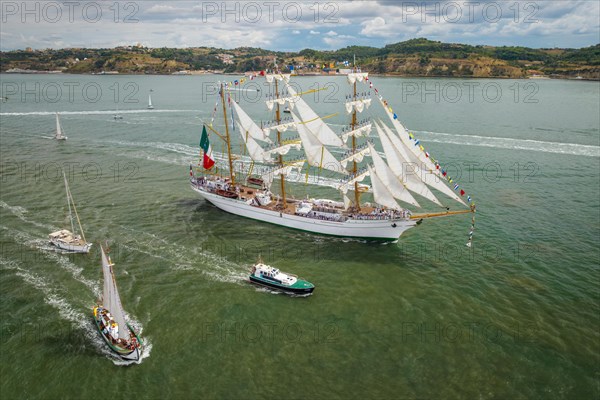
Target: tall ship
<point x="290" y="144"/>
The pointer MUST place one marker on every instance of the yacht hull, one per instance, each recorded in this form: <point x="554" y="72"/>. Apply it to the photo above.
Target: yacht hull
<point x="73" y="248"/>
<point x="125" y="354"/>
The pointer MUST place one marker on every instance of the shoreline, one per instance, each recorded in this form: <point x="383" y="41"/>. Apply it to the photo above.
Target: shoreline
<point x="379" y="75"/>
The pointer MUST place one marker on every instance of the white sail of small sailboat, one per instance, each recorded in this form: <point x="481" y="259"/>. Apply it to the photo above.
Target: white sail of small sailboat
<point x="70" y="240"/>
<point x="59" y="133"/>
<point x="110" y="317"/>
<point x="406" y="171"/>
<point x="150" y="106"/>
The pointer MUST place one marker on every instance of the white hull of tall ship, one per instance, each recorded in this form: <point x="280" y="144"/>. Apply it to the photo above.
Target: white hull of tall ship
<point x="388" y="229"/>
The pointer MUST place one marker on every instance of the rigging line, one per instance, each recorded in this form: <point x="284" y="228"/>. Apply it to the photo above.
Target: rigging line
<point x="314" y="119"/>
<point x="213" y="130"/>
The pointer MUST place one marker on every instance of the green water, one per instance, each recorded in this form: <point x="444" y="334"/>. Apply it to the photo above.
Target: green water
<point x="517" y="316"/>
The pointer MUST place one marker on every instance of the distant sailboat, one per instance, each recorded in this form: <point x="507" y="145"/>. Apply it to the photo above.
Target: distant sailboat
<point x="69" y="240"/>
<point x="150" y="106"/>
<point x="110" y="317"/>
<point x="59" y="134"/>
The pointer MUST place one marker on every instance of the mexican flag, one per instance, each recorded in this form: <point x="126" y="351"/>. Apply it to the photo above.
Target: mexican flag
<point x="208" y="161"/>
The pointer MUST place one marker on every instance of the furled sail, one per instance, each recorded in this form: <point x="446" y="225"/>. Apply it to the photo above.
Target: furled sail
<point x="316" y="153"/>
<point x="359" y="177"/>
<point x="248" y="125"/>
<point x="110" y="297"/>
<point x="394" y="185"/>
<point x="286" y="170"/>
<point x="357" y="76"/>
<point x="397" y="163"/>
<point x="358" y="105"/>
<point x="281" y="101"/>
<point x="313" y="122"/>
<point x="381" y="193"/>
<point x="279" y="77"/>
<point x="285" y="147"/>
<point x="256" y="152"/>
<point x="279" y="127"/>
<point x="360" y="131"/>
<point x="357" y="156"/>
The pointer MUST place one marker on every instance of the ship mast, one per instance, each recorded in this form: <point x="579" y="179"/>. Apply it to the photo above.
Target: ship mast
<point x="354" y="164"/>
<point x="278" y="119"/>
<point x="227" y="139"/>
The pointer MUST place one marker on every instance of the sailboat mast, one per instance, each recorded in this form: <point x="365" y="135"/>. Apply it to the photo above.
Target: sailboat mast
<point x="69" y="202"/>
<point x="354" y="164"/>
<point x="278" y="118"/>
<point x="231" y="174"/>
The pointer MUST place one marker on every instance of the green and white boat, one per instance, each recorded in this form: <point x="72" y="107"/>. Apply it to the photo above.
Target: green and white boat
<point x="271" y="277"/>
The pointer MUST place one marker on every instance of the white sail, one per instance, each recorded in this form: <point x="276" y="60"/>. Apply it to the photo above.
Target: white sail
<point x="314" y="123"/>
<point x="110" y="297"/>
<point x="58" y="130"/>
<point x="394" y="185"/>
<point x="248" y="125"/>
<point x="397" y="162"/>
<point x="255" y="151"/>
<point x="316" y="153"/>
<point x="381" y="193"/>
<point x="434" y="177"/>
<point x="150" y="106"/>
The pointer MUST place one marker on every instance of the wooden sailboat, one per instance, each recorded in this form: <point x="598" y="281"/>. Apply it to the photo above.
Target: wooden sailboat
<point x="110" y="317"/>
<point x="70" y="240"/>
<point x="390" y="181"/>
<point x="59" y="133"/>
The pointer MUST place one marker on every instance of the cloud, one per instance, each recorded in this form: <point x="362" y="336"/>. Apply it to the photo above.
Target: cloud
<point x="569" y="23"/>
<point x="375" y="27"/>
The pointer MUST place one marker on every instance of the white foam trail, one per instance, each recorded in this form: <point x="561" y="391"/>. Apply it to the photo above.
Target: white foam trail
<point x="49" y="253"/>
<point x="20" y="212"/>
<point x="97" y="112"/>
<point x="183" y="258"/>
<point x="511" y="143"/>
<point x="77" y="318"/>
<point x="64" y="308"/>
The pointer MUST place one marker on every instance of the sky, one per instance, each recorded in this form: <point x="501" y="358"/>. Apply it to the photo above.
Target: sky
<point x="295" y="25"/>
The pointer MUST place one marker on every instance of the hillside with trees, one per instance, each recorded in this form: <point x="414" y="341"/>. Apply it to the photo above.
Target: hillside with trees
<point x="415" y="57"/>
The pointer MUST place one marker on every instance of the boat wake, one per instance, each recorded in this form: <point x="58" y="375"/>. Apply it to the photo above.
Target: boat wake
<point x="20" y="212"/>
<point x="79" y="320"/>
<point x="182" y="258"/>
<point x="96" y="112"/>
<point x="50" y="254"/>
<point x="510" y="143"/>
